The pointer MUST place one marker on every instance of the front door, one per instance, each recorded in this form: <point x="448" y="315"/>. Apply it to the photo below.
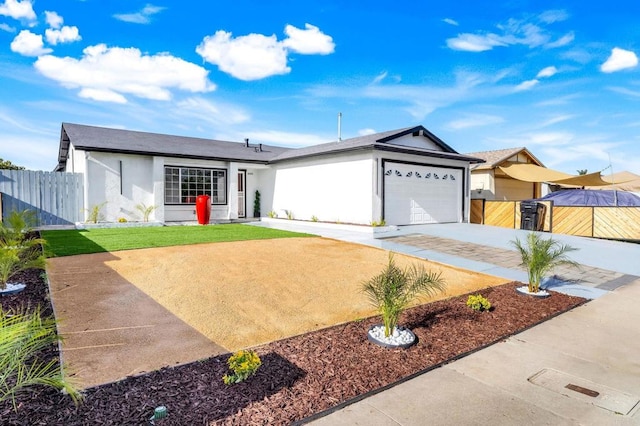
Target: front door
<point x="242" y="202"/>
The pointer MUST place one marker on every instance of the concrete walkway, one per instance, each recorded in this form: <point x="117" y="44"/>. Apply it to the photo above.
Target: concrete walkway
<point x="580" y="368"/>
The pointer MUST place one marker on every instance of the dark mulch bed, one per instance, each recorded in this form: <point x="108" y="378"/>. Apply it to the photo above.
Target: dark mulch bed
<point x="300" y="376"/>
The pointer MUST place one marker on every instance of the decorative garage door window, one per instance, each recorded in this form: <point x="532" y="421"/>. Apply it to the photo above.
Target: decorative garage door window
<point x="415" y="194"/>
<point x="183" y="184"/>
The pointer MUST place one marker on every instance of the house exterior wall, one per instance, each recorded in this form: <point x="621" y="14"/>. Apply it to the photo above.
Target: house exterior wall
<point x="334" y="188"/>
<point x="126" y="180"/>
<point x="512" y="189"/>
<point x="482" y="184"/>
<point x="120" y="181"/>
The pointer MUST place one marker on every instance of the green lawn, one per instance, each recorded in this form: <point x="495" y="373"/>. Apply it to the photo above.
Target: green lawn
<point x="71" y="242"/>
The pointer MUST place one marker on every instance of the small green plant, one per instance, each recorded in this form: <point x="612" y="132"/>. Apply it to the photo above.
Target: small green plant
<point x="380" y="222"/>
<point x="95" y="213"/>
<point x="478" y="303"/>
<point x="394" y="289"/>
<point x="145" y="210"/>
<point x="256" y="204"/>
<point x="122" y="220"/>
<point x="289" y="214"/>
<point x="244" y="364"/>
<point x="314" y="218"/>
<point x="540" y="256"/>
<point x="272" y="214"/>
<point x="19" y="257"/>
<point x="23" y="337"/>
<point x="17" y="225"/>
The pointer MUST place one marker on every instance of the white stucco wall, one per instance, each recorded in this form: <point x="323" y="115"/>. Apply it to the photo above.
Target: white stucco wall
<point x="122" y="181"/>
<point x="336" y="188"/>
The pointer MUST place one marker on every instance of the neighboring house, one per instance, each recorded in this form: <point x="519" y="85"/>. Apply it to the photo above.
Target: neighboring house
<point x="405" y="176"/>
<point x="488" y="181"/>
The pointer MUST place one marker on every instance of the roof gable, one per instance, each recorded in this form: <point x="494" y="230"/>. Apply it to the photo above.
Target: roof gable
<point x="503" y="157"/>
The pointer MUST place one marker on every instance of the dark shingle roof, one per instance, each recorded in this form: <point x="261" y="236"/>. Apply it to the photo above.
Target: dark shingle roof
<point x="377" y="141"/>
<point x="93" y="138"/>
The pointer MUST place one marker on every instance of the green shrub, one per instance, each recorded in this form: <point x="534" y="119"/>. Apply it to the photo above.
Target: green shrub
<point x="244" y="364"/>
<point x="380" y="222"/>
<point x="289" y="214"/>
<point x="23" y="337"/>
<point x="256" y="204"/>
<point x="394" y="289"/>
<point x="272" y="214"/>
<point x="314" y="218"/>
<point x="478" y="303"/>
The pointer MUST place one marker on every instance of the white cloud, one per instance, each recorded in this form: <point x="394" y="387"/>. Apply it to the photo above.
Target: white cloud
<point x="141" y="17"/>
<point x="53" y="19"/>
<point x="562" y="41"/>
<point x="513" y="32"/>
<point x="108" y="74"/>
<point x="102" y="95"/>
<point x="365" y="132"/>
<point x="618" y="60"/>
<point x="526" y="85"/>
<point x="474" y="120"/>
<point x="474" y="43"/>
<point x="65" y="34"/>
<point x="556" y="120"/>
<point x="27" y="43"/>
<point x="551" y="16"/>
<point x="206" y="111"/>
<point x="547" y="72"/>
<point x="310" y="41"/>
<point x="249" y="57"/>
<point x="7" y="28"/>
<point x="450" y="21"/>
<point x="380" y="77"/>
<point x="288" y="139"/>
<point x="256" y="56"/>
<point x="17" y="9"/>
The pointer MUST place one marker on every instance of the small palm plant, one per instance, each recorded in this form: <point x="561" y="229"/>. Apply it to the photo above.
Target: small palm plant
<point x="145" y="210"/>
<point x="540" y="256"/>
<point x="19" y="251"/>
<point x="23" y="337"/>
<point x="394" y="289"/>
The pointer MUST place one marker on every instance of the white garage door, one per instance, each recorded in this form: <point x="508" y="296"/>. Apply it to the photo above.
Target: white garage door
<point x="421" y="194"/>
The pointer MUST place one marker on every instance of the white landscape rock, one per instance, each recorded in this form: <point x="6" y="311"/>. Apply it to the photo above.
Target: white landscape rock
<point x="401" y="337"/>
<point x="13" y="288"/>
<point x="525" y="290"/>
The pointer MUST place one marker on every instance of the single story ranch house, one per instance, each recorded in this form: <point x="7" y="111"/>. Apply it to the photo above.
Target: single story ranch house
<point x="405" y="176"/>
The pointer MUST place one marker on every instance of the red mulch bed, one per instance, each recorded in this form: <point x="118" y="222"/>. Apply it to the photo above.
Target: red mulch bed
<point x="300" y="376"/>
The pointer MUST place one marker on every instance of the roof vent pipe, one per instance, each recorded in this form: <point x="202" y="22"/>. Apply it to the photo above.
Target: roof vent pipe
<point x="260" y="147"/>
<point x="339" y="126"/>
<point x="246" y="142"/>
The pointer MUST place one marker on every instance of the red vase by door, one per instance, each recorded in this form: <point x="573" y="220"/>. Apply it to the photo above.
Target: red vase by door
<point x="203" y="209"/>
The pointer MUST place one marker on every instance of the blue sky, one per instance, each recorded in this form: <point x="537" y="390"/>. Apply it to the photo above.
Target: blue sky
<point x="559" y="77"/>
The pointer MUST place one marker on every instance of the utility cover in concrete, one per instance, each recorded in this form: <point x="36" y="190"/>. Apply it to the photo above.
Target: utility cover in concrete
<point x="585" y="390"/>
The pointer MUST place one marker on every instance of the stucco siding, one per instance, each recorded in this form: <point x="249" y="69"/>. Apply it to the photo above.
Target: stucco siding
<point x="121" y="182"/>
<point x="334" y="189"/>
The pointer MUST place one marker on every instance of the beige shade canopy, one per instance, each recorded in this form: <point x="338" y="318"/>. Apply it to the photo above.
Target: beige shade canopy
<point x="533" y="173"/>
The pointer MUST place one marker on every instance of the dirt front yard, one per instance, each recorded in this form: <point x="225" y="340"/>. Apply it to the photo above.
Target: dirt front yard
<point x="213" y="298"/>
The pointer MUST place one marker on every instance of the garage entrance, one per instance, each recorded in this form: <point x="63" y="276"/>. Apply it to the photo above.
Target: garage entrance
<point x="417" y="194"/>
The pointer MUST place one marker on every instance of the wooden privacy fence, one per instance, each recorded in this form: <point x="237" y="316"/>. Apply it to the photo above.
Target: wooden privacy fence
<point x="622" y="223"/>
<point x="56" y="198"/>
